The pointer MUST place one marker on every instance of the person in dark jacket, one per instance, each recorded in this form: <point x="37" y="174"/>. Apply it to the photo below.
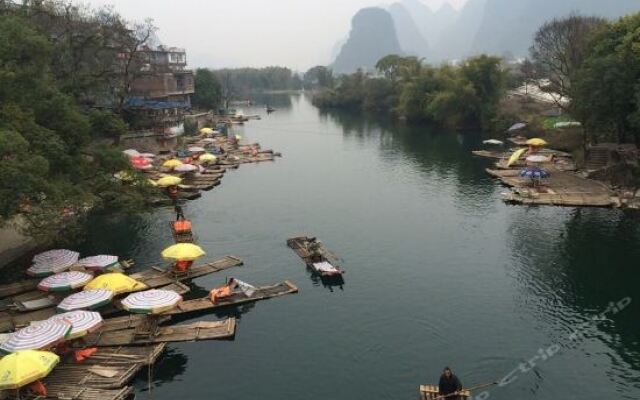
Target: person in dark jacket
<point x="449" y="384"/>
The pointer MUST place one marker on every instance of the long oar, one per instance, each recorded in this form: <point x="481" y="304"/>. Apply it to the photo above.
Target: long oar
<point x="476" y="387"/>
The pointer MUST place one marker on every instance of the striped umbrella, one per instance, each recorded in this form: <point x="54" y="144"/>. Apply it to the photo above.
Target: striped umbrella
<point x="196" y="149"/>
<point x="82" y="322"/>
<point x="87" y="299"/>
<point x="52" y="261"/>
<point x="37" y="336"/>
<point x="65" y="281"/>
<point x="98" y="263"/>
<point x="154" y="301"/>
<point x="185" y="168"/>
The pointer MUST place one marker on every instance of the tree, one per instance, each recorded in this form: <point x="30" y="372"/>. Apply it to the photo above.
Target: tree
<point x="208" y="94"/>
<point x="559" y="49"/>
<point x="606" y="89"/>
<point x="318" y="77"/>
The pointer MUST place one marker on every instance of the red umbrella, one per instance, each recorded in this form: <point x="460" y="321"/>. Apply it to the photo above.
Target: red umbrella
<point x="140" y="162"/>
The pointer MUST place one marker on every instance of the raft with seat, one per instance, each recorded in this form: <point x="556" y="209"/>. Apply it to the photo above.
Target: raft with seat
<point x="322" y="266"/>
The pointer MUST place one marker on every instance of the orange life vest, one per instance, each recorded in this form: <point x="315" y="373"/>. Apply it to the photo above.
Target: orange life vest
<point x="182" y="265"/>
<point x="38" y="388"/>
<point x="182" y="226"/>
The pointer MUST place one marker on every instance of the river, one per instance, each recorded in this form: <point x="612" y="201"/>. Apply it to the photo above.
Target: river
<point x="439" y="272"/>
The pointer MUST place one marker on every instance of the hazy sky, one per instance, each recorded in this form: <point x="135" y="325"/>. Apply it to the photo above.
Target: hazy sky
<point x="221" y="33"/>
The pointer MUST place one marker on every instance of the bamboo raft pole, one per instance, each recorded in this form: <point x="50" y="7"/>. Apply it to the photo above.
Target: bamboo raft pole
<point x="201" y="330"/>
<point x="262" y="293"/>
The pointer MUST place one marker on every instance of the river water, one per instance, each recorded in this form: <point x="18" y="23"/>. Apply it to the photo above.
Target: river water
<point x="439" y="272"/>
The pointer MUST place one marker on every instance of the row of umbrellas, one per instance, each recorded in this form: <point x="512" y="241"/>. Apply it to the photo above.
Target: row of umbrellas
<point x="58" y="260"/>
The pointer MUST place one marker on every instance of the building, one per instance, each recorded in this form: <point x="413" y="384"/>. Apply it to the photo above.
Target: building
<point x="160" y="94"/>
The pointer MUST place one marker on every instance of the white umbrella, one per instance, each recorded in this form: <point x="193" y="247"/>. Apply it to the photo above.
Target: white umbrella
<point x="186" y="168"/>
<point x="196" y="149"/>
<point x="37" y="336"/>
<point x="208" y="140"/>
<point x="154" y="301"/>
<point x="517" y="126"/>
<point x="82" y="322"/>
<point x="131" y="153"/>
<point x="148" y="155"/>
<point x="64" y="281"/>
<point x="86" y="299"/>
<point x="52" y="261"/>
<point x="493" y="141"/>
<point x="99" y="262"/>
<point x="537" y="158"/>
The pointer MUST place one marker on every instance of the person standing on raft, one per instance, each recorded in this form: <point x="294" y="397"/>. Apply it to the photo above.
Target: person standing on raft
<point x="449" y="385"/>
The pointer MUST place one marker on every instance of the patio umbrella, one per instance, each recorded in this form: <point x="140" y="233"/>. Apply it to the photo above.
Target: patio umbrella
<point x="37" y="336"/>
<point x="517" y="126"/>
<point x="65" y="281"/>
<point x="147" y="155"/>
<point x="87" y="299"/>
<point x="116" y="282"/>
<point x="154" y="301"/>
<point x="536" y="158"/>
<point x="196" y="149"/>
<point x="24" y="367"/>
<point x="131" y="153"/>
<point x="183" y="252"/>
<point x="174" y="162"/>
<point x="493" y="141"/>
<point x="185" y="168"/>
<point x="534" y="173"/>
<point x="208" y="157"/>
<point x="166" y="181"/>
<point x="82" y="322"/>
<point x="99" y="262"/>
<point x="52" y="261"/>
<point x="536" y="142"/>
<point x="515" y="156"/>
<point x="140" y="163"/>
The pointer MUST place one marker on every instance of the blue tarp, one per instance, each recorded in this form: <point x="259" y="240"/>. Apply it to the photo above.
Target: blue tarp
<point x="156" y="105"/>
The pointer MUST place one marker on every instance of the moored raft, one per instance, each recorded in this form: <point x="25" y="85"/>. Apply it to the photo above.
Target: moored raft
<point x="200" y="330"/>
<point x="320" y="264"/>
<point x="261" y="293"/>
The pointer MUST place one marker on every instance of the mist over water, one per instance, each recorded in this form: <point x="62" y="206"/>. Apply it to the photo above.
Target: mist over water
<point x="439" y="272"/>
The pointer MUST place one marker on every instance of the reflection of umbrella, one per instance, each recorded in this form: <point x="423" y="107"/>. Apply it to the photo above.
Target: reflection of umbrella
<point x="152" y="301"/>
<point x="185" y="168"/>
<point x="515" y="156"/>
<point x="64" y="281"/>
<point x="183" y="251"/>
<point x="98" y="263"/>
<point x="172" y="163"/>
<point x="82" y="322"/>
<point x="538" y="158"/>
<point x="166" y="181"/>
<point x="37" y="336"/>
<point x="207" y="131"/>
<point x="208" y="157"/>
<point x="536" y="142"/>
<point x="52" y="261"/>
<point x="517" y="126"/>
<point x="196" y="149"/>
<point x="87" y="299"/>
<point x="24" y="367"/>
<point x="116" y="282"/>
<point x="534" y="173"/>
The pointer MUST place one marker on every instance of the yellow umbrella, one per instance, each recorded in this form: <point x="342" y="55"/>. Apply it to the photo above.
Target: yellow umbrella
<point x="183" y="252"/>
<point x="168" y="181"/>
<point x="238" y="137"/>
<point x="206" y="130"/>
<point x="152" y="182"/>
<point x="536" y="142"/>
<point x="24" y="367"/>
<point x="515" y="156"/>
<point x="116" y="282"/>
<point x="207" y="157"/>
<point x="172" y="163"/>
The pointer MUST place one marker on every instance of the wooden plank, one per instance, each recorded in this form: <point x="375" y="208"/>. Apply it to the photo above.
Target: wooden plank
<point x="63" y="391"/>
<point x="12" y="289"/>
<point x="201" y="330"/>
<point x="154" y="278"/>
<point x="262" y="293"/>
<point x="430" y="392"/>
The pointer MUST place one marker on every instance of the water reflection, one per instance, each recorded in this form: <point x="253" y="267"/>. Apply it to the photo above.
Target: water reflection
<point x="575" y="262"/>
<point x="171" y="365"/>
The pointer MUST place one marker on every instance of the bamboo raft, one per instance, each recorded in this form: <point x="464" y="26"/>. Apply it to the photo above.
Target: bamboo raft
<point x="201" y="330"/>
<point x="63" y="391"/>
<point x="299" y="245"/>
<point x="430" y="392"/>
<point x="560" y="189"/>
<point x="181" y="237"/>
<point x="262" y="293"/>
<point x="109" y="368"/>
